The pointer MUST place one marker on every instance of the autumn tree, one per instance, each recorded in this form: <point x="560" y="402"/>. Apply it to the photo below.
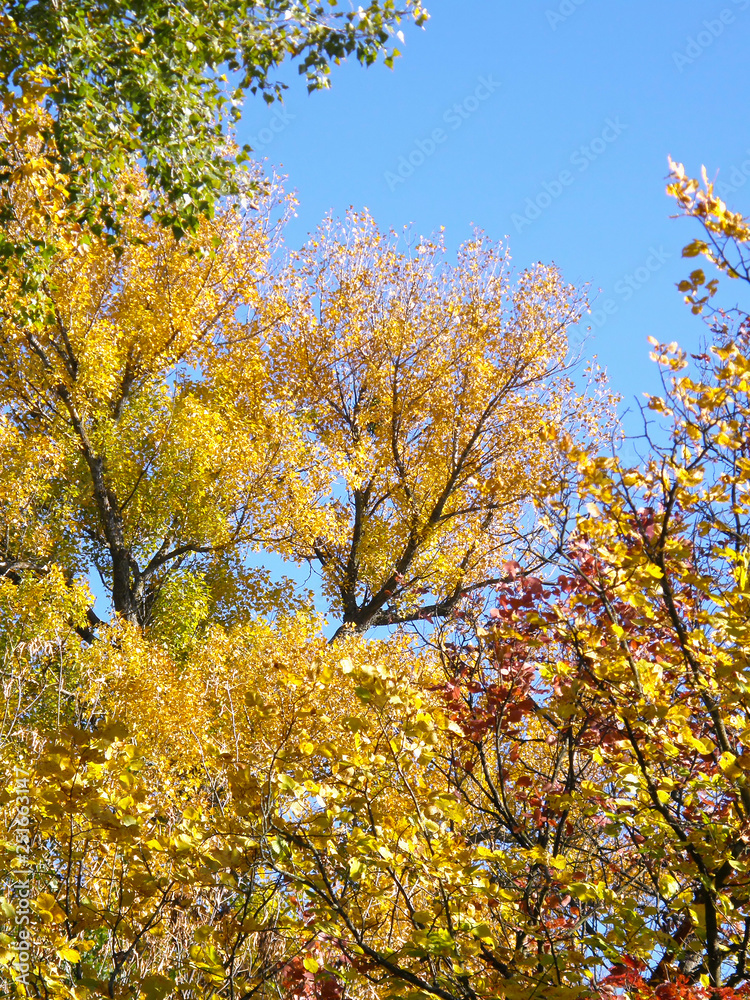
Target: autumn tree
<point x="430" y="392"/>
<point x="657" y="647"/>
<point x="151" y="448"/>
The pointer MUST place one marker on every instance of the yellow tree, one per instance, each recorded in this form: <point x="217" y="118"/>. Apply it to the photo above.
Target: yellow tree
<point x="428" y="390"/>
<point x="137" y="406"/>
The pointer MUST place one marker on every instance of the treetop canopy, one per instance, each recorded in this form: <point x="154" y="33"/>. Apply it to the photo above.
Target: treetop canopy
<point x="149" y="82"/>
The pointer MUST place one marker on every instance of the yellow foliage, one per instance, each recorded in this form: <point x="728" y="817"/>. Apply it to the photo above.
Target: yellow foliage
<point x="428" y="391"/>
<point x="213" y="798"/>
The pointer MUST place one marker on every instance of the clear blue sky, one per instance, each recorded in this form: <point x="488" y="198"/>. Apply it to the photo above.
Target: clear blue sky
<point x="587" y="98"/>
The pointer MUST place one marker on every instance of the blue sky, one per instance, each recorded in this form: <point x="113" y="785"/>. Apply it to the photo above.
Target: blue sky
<point x="548" y="122"/>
